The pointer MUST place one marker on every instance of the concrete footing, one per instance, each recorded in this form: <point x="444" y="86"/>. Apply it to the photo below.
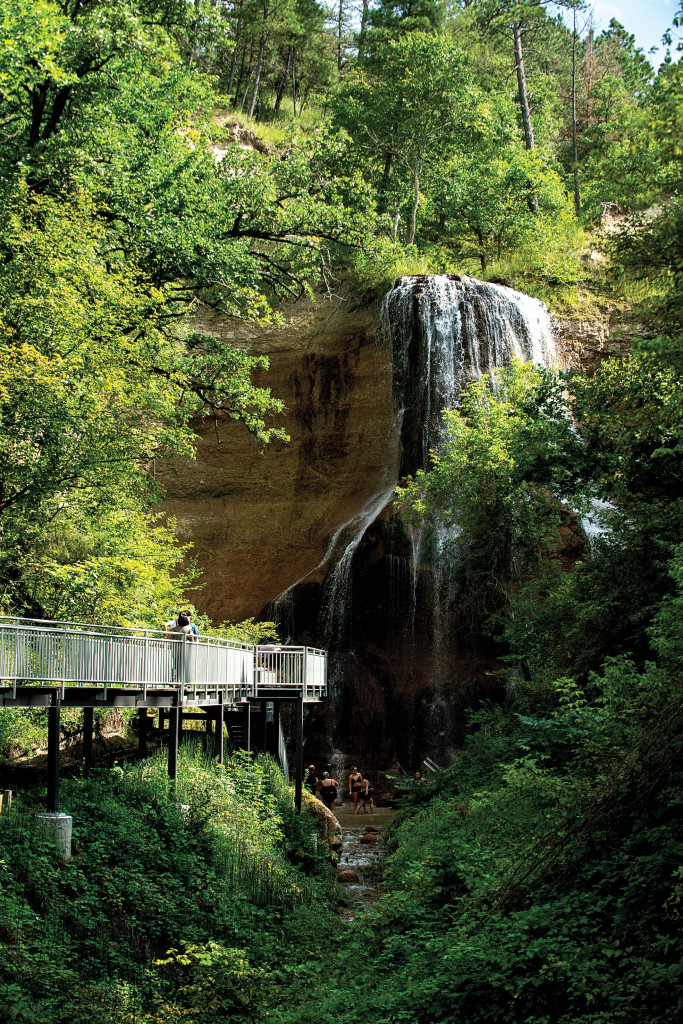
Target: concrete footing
<point x="59" y="827"/>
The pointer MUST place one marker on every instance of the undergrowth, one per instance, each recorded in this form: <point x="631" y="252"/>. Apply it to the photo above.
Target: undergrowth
<point x="173" y="906"/>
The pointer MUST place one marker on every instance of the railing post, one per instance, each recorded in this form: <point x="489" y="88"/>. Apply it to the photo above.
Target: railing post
<point x="87" y="740"/>
<point x="53" y="730"/>
<point x="186" y="661"/>
<point x="16" y="661"/>
<point x="299" y="766"/>
<point x="61" y="696"/>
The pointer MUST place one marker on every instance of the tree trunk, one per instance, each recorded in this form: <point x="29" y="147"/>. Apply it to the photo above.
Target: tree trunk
<point x="575" y="144"/>
<point x="524" y="102"/>
<point x="246" y="89"/>
<point x="233" y="62"/>
<point x="282" y="85"/>
<point x="482" y="248"/>
<point x="257" y="77"/>
<point x="416" y="200"/>
<point x="238" y="86"/>
<point x="294" y="79"/>
<point x="340" y="21"/>
<point x="521" y="85"/>
<point x="363" y="23"/>
<point x="259" y="62"/>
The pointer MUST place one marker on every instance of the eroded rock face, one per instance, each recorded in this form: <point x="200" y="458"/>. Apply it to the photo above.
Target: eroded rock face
<point x="259" y="516"/>
<point x="583" y="344"/>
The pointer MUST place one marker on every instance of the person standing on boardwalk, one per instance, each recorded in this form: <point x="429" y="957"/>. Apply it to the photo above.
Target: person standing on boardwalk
<point x="178" y="631"/>
<point x="312" y="779"/>
<point x="355" y="786"/>
<point x="195" y="629"/>
<point x="328" y="791"/>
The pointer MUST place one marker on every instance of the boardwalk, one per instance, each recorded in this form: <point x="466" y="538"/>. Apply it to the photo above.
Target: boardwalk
<point x="68" y="664"/>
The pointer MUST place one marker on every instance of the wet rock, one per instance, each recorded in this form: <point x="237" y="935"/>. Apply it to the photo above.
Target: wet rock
<point x="346" y="876"/>
<point x="328" y="824"/>
<point x="334" y="374"/>
<point x="369" y="838"/>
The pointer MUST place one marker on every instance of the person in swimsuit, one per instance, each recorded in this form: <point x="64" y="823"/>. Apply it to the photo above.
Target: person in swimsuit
<point x="328" y="791"/>
<point x="312" y="779"/>
<point x="366" y="796"/>
<point x="355" y="786"/>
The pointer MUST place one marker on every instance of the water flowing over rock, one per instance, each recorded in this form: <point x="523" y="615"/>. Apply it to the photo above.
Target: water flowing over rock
<point x="446" y="330"/>
<point x="398" y="674"/>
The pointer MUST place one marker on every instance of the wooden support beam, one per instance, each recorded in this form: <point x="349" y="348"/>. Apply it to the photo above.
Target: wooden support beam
<point x="53" y="736"/>
<point x="220" y="750"/>
<point x="87" y="740"/>
<point x="299" y="757"/>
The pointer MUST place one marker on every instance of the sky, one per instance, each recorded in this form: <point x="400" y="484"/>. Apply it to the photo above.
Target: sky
<point x="646" y="19"/>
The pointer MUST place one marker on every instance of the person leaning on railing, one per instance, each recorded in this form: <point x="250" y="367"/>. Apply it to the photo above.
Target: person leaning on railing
<point x="195" y="630"/>
<point x="181" y="626"/>
<point x="178" y="629"/>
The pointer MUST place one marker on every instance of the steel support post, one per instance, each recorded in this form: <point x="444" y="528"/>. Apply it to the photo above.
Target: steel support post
<point x="87" y="740"/>
<point x="248" y="727"/>
<point x="275" y="730"/>
<point x="173" y="719"/>
<point x="299" y="768"/>
<point x="220" y="754"/>
<point x="143" y="726"/>
<point x="53" y="732"/>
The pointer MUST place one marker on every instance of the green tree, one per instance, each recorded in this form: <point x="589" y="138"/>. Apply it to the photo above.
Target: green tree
<point x="410" y="104"/>
<point x="117" y="219"/>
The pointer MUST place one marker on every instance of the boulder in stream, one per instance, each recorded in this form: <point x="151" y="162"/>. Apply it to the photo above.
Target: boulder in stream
<point x="346" y="875"/>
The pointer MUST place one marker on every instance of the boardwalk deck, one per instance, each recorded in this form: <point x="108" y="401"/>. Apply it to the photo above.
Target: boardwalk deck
<point x="71" y="664"/>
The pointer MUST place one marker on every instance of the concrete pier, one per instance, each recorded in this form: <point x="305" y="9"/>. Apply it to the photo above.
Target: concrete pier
<point x="59" y="827"/>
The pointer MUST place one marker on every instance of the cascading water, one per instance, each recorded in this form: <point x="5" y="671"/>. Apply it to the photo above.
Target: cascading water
<point x="446" y="330"/>
<point x="443" y="331"/>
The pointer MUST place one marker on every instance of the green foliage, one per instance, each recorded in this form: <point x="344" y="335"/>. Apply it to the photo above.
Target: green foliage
<point x="508" y="457"/>
<point x="536" y="878"/>
<point x="407" y="106"/>
<point x="160" y="911"/>
<point x="117" y="219"/>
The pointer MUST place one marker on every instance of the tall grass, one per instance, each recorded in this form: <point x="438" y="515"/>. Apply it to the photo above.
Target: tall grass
<point x="248" y="809"/>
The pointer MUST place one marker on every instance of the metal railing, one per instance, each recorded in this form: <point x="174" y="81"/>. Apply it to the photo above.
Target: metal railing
<point x="291" y="668"/>
<point x="205" y="669"/>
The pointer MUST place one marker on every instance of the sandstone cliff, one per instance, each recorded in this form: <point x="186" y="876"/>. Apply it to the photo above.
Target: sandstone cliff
<point x="259" y="516"/>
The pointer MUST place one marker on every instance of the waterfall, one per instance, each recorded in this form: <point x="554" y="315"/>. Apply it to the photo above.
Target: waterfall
<point x="443" y="331"/>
